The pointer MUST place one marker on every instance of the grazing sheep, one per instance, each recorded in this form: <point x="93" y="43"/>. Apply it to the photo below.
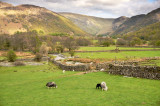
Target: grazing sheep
<point x="73" y="69"/>
<point x="103" y="86"/>
<point x="51" y="85"/>
<point x="91" y="63"/>
<point x="63" y="71"/>
<point x="98" y="85"/>
<point x="102" y="69"/>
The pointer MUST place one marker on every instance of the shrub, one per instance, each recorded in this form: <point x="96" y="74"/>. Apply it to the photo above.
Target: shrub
<point x="38" y="57"/>
<point x="11" y="56"/>
<point x="44" y="49"/>
<point x="59" y="48"/>
<point x="157" y="43"/>
<point x="72" y="53"/>
<point x="19" y="63"/>
<point x="106" y="43"/>
<point x="121" y="41"/>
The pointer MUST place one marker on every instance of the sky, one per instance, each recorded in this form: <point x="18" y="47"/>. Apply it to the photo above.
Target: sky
<point x="98" y="8"/>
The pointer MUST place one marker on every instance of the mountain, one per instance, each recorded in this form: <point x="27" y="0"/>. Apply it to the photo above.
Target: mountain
<point x="121" y="25"/>
<point x="137" y="22"/>
<point x="2" y="4"/>
<point x="118" y="21"/>
<point x="90" y="24"/>
<point x="25" y="18"/>
<point x="150" y="32"/>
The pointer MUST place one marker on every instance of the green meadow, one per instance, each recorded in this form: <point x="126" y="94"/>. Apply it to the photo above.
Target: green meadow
<point x="113" y="48"/>
<point x="123" y="55"/>
<point x="25" y="86"/>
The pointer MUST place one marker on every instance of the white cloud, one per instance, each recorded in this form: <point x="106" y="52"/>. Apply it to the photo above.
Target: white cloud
<point x="101" y="8"/>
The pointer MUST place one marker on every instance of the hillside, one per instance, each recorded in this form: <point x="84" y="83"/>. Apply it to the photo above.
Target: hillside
<point x="118" y="21"/>
<point x="25" y="18"/>
<point x="150" y="32"/>
<point x="137" y="22"/>
<point x="121" y="25"/>
<point x="2" y="4"/>
<point x="90" y="24"/>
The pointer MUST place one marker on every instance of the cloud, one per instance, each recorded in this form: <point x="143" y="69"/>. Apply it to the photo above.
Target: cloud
<point x="99" y="8"/>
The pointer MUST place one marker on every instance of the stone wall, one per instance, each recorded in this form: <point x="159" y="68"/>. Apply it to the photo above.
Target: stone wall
<point x="105" y="65"/>
<point x="81" y="67"/>
<point x="130" y="69"/>
<point x="149" y="72"/>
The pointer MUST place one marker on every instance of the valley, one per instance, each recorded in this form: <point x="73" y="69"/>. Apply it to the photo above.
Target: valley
<point x="47" y="41"/>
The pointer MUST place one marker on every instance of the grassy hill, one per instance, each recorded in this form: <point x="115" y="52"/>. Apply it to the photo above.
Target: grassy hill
<point x="25" y="18"/>
<point x="90" y="24"/>
<point x="150" y="32"/>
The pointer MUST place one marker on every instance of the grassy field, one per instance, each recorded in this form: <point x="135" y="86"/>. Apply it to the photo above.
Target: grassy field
<point x="124" y="55"/>
<point x="26" y="86"/>
<point x="112" y="48"/>
<point x="2" y="58"/>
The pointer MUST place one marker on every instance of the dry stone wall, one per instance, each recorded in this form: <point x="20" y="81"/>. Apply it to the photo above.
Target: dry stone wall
<point x="80" y="67"/>
<point x="149" y="72"/>
<point x="130" y="69"/>
<point x="105" y="65"/>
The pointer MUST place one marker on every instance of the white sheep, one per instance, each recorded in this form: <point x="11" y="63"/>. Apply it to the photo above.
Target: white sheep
<point x="104" y="86"/>
<point x="102" y="69"/>
<point x="63" y="71"/>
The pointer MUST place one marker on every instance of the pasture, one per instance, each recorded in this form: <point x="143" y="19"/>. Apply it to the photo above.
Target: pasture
<point x="113" y="48"/>
<point x="123" y="55"/>
<point x="25" y="85"/>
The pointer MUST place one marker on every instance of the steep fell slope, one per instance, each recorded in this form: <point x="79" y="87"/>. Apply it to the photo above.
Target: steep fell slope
<point x="90" y="24"/>
<point x="137" y="22"/>
<point x="24" y="18"/>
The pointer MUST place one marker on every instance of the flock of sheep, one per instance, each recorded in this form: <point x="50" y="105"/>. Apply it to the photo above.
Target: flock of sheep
<point x="101" y="85"/>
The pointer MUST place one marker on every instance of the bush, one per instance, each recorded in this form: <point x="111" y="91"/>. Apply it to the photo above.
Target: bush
<point x="44" y="49"/>
<point x="19" y="63"/>
<point x="72" y="53"/>
<point x="38" y="57"/>
<point x="107" y="44"/>
<point x="59" y="48"/>
<point x="106" y="41"/>
<point x="11" y="56"/>
<point x="121" y="41"/>
<point x="157" y="43"/>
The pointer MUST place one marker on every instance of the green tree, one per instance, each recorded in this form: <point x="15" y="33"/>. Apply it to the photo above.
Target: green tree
<point x="136" y="41"/>
<point x="11" y="56"/>
<point x="72" y="53"/>
<point x="157" y="43"/>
